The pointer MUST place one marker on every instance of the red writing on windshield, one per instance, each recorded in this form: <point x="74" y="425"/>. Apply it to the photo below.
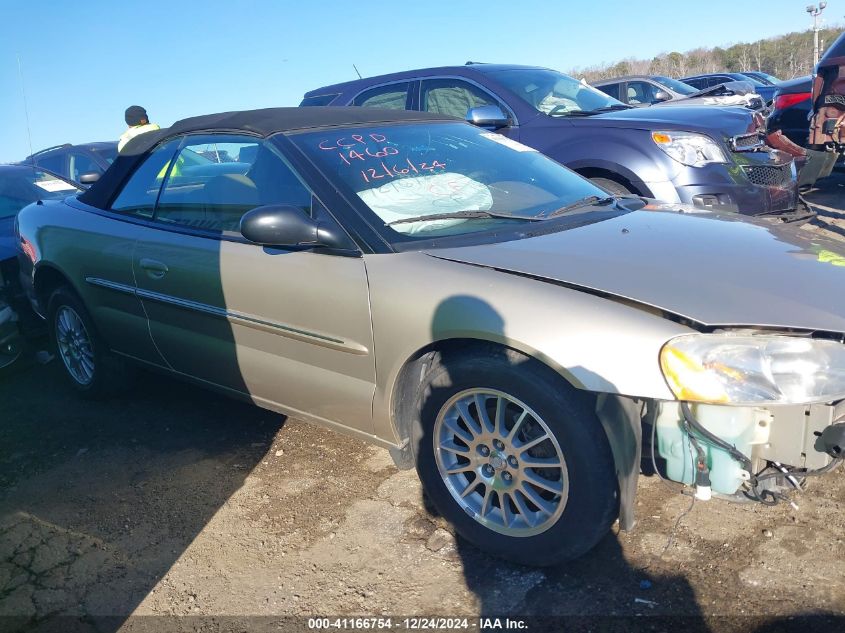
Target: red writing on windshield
<point x="351" y="141"/>
<point x="399" y="170"/>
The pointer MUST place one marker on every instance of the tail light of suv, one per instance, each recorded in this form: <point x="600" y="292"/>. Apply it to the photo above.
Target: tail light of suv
<point x="789" y="100"/>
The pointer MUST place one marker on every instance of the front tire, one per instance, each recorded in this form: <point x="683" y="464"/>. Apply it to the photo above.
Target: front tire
<point x="89" y="366"/>
<point x="514" y="457"/>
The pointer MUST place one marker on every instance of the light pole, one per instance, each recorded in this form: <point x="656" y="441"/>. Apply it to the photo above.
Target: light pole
<point x="816" y="12"/>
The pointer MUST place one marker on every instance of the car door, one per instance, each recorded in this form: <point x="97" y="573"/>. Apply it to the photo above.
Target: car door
<point x="100" y="248"/>
<point x="289" y="328"/>
<point x="455" y="97"/>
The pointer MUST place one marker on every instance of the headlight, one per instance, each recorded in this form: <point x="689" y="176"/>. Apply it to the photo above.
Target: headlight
<point x="748" y="370"/>
<point x="688" y="148"/>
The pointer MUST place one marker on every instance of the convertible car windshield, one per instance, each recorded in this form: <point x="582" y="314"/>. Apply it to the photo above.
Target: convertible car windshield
<point x="438" y="179"/>
<point x="556" y="94"/>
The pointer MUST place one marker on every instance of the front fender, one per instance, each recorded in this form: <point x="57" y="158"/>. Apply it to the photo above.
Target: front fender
<point x="595" y="343"/>
<point x="637" y="159"/>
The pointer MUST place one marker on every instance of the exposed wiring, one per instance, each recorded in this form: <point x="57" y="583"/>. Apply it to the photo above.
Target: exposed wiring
<point x="676" y="526"/>
<point x="802" y="473"/>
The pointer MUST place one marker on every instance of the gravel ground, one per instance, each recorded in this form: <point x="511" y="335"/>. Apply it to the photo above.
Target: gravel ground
<point x="173" y="501"/>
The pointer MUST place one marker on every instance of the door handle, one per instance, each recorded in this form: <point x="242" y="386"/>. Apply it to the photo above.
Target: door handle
<point x="154" y="268"/>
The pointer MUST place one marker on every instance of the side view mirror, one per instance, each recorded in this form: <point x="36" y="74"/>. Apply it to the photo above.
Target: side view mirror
<point x="661" y="95"/>
<point x="286" y="225"/>
<point x="89" y="177"/>
<point x="489" y="116"/>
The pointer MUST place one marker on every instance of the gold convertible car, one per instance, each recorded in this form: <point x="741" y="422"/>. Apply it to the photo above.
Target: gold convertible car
<point x="524" y="339"/>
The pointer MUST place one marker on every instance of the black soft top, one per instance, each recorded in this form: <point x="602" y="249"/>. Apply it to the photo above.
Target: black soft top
<point x="263" y="123"/>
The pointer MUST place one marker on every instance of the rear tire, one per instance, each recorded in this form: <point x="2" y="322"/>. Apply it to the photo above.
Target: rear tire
<point x="528" y="500"/>
<point x="611" y="186"/>
<point x="89" y="366"/>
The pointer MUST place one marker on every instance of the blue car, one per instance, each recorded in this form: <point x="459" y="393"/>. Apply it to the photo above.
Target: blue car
<point x="710" y="157"/>
<point x="19" y="186"/>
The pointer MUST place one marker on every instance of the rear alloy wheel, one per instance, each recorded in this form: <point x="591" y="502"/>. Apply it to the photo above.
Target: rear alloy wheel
<point x="513" y="456"/>
<point x="74" y="345"/>
<point x="90" y="367"/>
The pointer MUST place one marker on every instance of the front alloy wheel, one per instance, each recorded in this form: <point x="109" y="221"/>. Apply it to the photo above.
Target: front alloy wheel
<point x="513" y="456"/>
<point x="501" y="463"/>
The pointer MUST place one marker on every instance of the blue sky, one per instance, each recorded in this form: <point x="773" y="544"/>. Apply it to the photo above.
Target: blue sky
<point x="85" y="62"/>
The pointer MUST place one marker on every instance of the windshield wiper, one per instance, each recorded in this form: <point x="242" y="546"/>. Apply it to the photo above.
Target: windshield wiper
<point x="615" y="106"/>
<point x="475" y="214"/>
<point x="589" y="201"/>
<point x="610" y="108"/>
<point x="574" y="113"/>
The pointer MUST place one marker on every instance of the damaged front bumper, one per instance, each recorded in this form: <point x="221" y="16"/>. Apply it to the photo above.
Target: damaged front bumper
<point x="762" y="453"/>
<point x="788" y="437"/>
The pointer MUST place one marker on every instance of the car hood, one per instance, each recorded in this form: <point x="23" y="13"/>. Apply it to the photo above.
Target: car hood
<point x="717" y="270"/>
<point x="730" y="121"/>
<point x="7" y="238"/>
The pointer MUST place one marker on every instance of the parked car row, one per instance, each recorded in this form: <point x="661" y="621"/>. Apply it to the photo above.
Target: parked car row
<point x="712" y="158"/>
<point x="424" y="272"/>
<point x="651" y="90"/>
<point x="764" y="87"/>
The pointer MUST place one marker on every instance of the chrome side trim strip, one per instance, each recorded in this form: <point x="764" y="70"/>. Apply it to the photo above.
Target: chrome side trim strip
<point x="239" y="318"/>
<point x="111" y="285"/>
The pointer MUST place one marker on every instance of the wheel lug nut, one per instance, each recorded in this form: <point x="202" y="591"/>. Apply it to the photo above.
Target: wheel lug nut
<point x="506" y="476"/>
<point x="512" y="462"/>
<point x="497" y="444"/>
<point x="483" y="450"/>
<point x="488" y="470"/>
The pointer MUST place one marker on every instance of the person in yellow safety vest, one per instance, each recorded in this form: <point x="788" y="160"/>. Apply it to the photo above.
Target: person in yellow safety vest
<point x="138" y="122"/>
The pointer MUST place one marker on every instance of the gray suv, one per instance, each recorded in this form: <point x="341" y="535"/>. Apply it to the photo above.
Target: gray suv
<point x="711" y="157"/>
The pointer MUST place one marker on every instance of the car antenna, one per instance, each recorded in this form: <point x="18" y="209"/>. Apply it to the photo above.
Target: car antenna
<point x="26" y="110"/>
<point x="356" y="70"/>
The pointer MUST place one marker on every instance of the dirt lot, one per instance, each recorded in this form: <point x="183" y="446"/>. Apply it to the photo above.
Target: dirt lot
<point x="172" y="501"/>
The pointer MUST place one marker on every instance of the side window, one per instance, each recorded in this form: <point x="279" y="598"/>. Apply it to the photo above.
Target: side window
<point x="453" y="97"/>
<point x="641" y="92"/>
<point x="696" y="83"/>
<point x="394" y="96"/>
<point x="55" y="163"/>
<point x="82" y="164"/>
<point x="139" y="193"/>
<point x="216" y="179"/>
<point x="611" y="90"/>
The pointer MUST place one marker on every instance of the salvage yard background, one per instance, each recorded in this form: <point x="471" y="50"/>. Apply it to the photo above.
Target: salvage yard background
<point x="173" y="500"/>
